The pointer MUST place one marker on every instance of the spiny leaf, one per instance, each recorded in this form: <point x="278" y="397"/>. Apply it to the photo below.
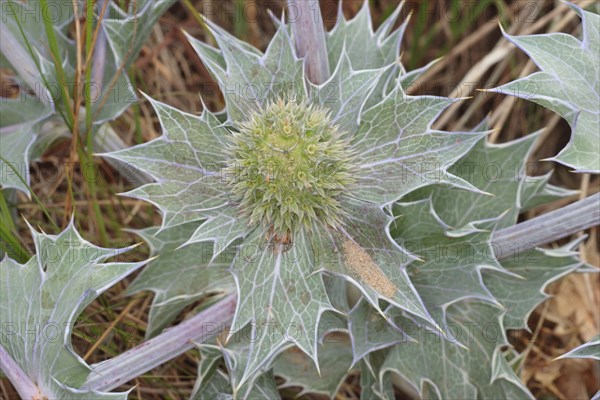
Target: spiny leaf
<point x="479" y="369"/>
<point x="179" y="276"/>
<point x="443" y="370"/>
<point x="186" y="163"/>
<point x="519" y="294"/>
<point x="66" y="274"/>
<point x="451" y="260"/>
<point x="568" y="84"/>
<point x="363" y="253"/>
<point x="376" y="48"/>
<point x="211" y="382"/>
<point x="590" y="349"/>
<point x="499" y="171"/>
<point x="536" y="191"/>
<point x="371" y="386"/>
<point x="222" y="229"/>
<point x="279" y="297"/>
<point x="215" y="383"/>
<point x="335" y="358"/>
<point x="249" y="78"/>
<point x="399" y="152"/>
<point x="370" y="331"/>
<point x="345" y="92"/>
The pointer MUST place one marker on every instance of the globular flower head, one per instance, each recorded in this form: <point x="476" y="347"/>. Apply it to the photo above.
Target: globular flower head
<point x="289" y="164"/>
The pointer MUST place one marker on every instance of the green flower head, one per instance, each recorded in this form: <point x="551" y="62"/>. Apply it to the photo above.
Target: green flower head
<point x="288" y="166"/>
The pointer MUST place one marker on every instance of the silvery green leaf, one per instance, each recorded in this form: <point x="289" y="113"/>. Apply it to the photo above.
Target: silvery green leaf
<point x="398" y="151"/>
<point x="298" y="370"/>
<point x="179" y="276"/>
<point x="24" y="109"/>
<point x="222" y="229"/>
<point x="451" y="260"/>
<point x="478" y="367"/>
<point x="125" y="34"/>
<point x="408" y="79"/>
<point x="279" y="299"/>
<point x="536" y="191"/>
<point x="535" y="269"/>
<point x="443" y="370"/>
<point x="377" y="48"/>
<point x="337" y="289"/>
<point x="263" y="388"/>
<point x="590" y="349"/>
<point x="499" y="172"/>
<point x="186" y="163"/>
<point x="214" y="384"/>
<point x="249" y="78"/>
<point x="40" y="301"/>
<point x="394" y="76"/>
<point x="568" y="84"/>
<point x="210" y="358"/>
<point x="345" y="92"/>
<point x="370" y="331"/>
<point x="16" y="144"/>
<point x="235" y="355"/>
<point x="371" y="387"/>
<point x="363" y="253"/>
<point x="217" y="387"/>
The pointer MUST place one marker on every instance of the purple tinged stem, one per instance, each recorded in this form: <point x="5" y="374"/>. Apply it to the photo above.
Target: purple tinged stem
<point x="24" y="386"/>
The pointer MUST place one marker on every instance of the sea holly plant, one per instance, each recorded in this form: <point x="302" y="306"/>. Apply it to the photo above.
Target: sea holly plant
<point x="327" y="229"/>
<point x="305" y="180"/>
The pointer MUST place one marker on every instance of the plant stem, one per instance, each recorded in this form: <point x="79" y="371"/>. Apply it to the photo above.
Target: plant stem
<point x="24" y="386"/>
<point x="548" y="227"/>
<point x="162" y="348"/>
<point x="309" y="37"/>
